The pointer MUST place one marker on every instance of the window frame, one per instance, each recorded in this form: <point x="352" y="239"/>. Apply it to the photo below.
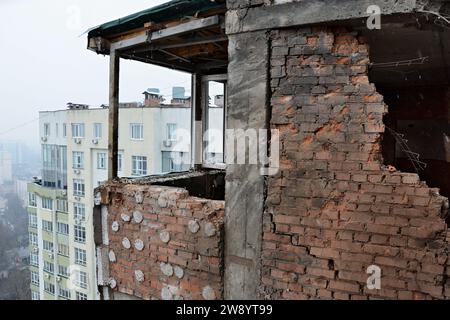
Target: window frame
<point x="79" y="188"/>
<point x="79" y="234"/>
<point x="79" y="163"/>
<point x="98" y="130"/>
<point x="141" y="131"/>
<point x="80" y="257"/>
<point x="78" y="131"/>
<point x="138" y="170"/>
<point x="102" y="159"/>
<point x="205" y="109"/>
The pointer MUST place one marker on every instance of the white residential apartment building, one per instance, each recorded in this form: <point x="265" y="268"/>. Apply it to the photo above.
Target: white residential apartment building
<point x="152" y="140"/>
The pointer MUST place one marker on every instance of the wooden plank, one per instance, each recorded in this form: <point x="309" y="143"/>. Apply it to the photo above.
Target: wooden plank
<point x="113" y="117"/>
<point x="182" y="28"/>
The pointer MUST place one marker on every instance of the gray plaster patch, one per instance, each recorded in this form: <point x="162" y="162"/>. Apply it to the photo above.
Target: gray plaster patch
<point x="166" y="294"/>
<point x="139" y="244"/>
<point x="193" y="226"/>
<point x="139" y="275"/>
<point x="126" y="243"/>
<point x="162" y="202"/>
<point x="208" y="293"/>
<point x="115" y="226"/>
<point x="210" y="229"/>
<point x="139" y="197"/>
<point x="166" y="269"/>
<point x="179" y="272"/>
<point x="137" y="217"/>
<point x="112" y="283"/>
<point x="125" y="217"/>
<point x="112" y="256"/>
<point x="164" y="236"/>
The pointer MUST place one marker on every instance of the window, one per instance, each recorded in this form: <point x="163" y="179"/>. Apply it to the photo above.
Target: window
<point x="139" y="166"/>
<point x="47" y="204"/>
<point x="32" y="199"/>
<point x="80" y="234"/>
<point x="137" y="131"/>
<point x="77" y="130"/>
<point x="32" y="219"/>
<point x="34" y="259"/>
<point x="78" y="160"/>
<point x="63" y="293"/>
<point x="63" y="271"/>
<point x="79" y="211"/>
<point x="62" y="228"/>
<point x="62" y="205"/>
<point x="171" y="131"/>
<point x="49" y="287"/>
<point x="97" y="130"/>
<point x="35" y="278"/>
<point x="35" y="295"/>
<point x="81" y="279"/>
<point x="215" y="121"/>
<point x="80" y="257"/>
<point x="49" y="267"/>
<point x="46" y="129"/>
<point x="81" y="296"/>
<point x="101" y="160"/>
<point x="56" y="130"/>
<point x="64" y="130"/>
<point x="78" y="188"/>
<point x="119" y="162"/>
<point x="48" y="246"/>
<point x="47" y="225"/>
<point x="33" y="237"/>
<point x="63" y="250"/>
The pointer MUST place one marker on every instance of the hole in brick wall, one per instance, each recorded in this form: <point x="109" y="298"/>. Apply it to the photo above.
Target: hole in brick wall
<point x="418" y="97"/>
<point x="209" y="184"/>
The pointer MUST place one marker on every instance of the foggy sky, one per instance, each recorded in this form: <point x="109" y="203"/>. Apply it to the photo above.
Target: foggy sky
<point x="44" y="62"/>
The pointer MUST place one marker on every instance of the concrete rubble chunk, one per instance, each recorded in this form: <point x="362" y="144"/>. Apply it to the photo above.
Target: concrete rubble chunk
<point x="112" y="283"/>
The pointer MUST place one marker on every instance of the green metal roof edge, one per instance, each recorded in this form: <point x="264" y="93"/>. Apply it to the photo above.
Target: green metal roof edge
<point x="171" y="10"/>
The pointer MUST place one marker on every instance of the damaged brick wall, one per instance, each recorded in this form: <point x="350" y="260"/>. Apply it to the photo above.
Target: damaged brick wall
<point x="164" y="244"/>
<point x="334" y="209"/>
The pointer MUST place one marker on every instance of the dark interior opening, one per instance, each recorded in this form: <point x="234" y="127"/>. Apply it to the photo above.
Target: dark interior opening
<point x="410" y="69"/>
<point x="206" y="184"/>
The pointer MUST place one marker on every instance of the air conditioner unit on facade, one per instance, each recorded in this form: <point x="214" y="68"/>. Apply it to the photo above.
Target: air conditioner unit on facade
<point x="58" y="278"/>
<point x="77" y="140"/>
<point x="168" y="143"/>
<point x="76" y="171"/>
<point x="77" y="221"/>
<point x="95" y="141"/>
<point x="35" y="250"/>
<point x="47" y="275"/>
<point x="44" y="139"/>
<point x="50" y="255"/>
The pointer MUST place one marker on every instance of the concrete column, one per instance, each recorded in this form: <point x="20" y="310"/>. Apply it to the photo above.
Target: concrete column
<point x="247" y="109"/>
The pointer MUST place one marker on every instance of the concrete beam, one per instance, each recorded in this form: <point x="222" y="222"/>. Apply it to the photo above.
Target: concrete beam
<point x="287" y="14"/>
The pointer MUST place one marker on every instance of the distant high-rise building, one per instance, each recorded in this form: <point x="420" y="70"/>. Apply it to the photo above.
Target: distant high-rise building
<point x="74" y="142"/>
<point x="5" y="167"/>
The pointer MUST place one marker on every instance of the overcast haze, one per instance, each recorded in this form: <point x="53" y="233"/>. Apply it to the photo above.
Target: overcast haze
<point x="44" y="62"/>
